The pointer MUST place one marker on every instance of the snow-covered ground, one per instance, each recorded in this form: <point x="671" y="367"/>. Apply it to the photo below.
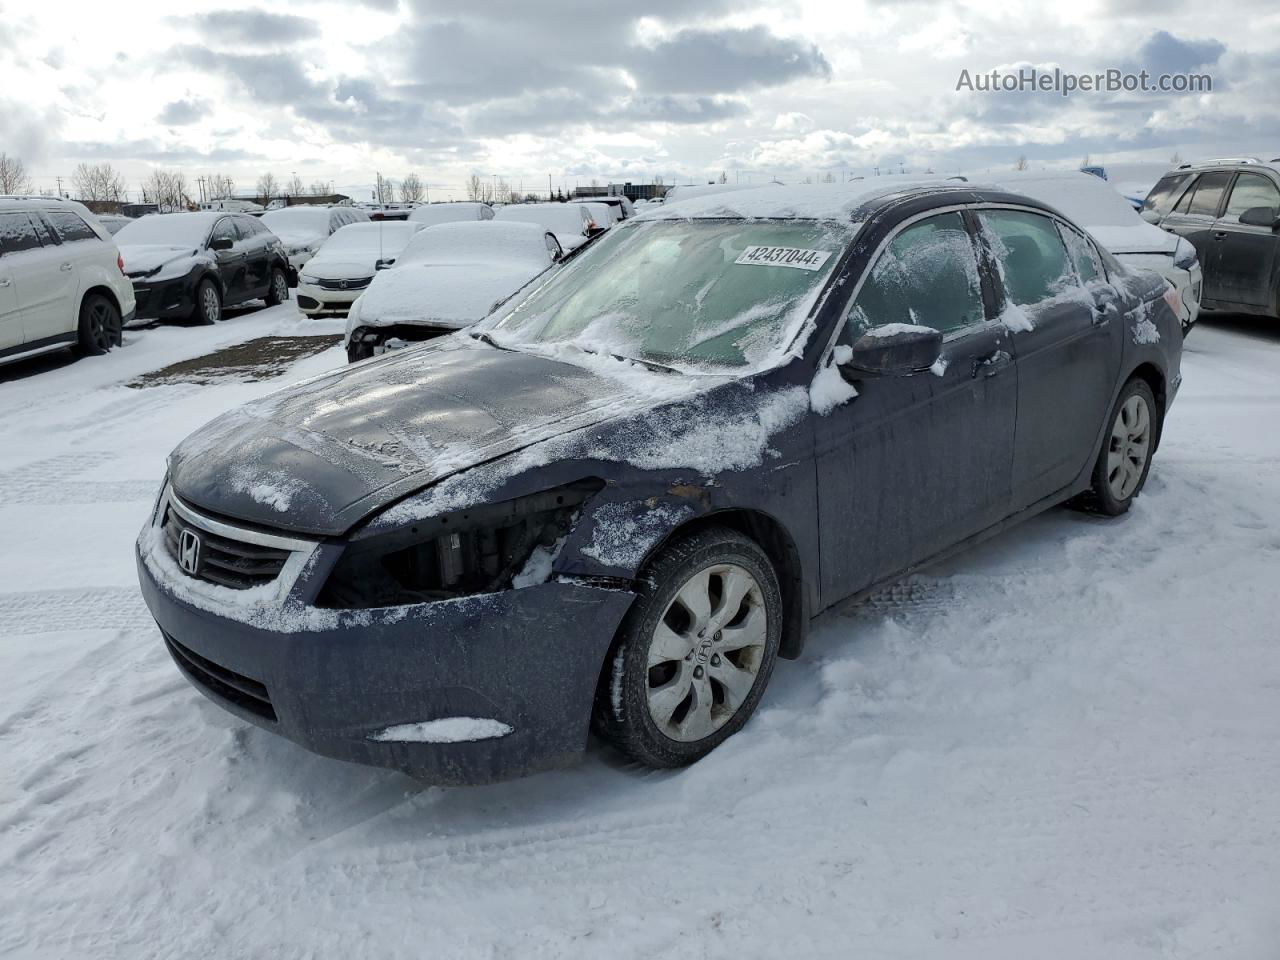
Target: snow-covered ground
<point x="1064" y="744"/>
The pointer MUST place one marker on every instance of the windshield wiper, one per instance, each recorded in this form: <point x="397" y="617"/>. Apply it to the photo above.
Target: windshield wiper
<point x="651" y="364"/>
<point x="486" y="338"/>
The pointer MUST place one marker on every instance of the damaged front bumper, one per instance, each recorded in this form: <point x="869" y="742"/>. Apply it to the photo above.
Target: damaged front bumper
<point x="335" y="681"/>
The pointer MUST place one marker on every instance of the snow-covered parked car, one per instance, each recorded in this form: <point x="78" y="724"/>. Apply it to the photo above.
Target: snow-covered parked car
<point x="448" y="277"/>
<point x="429" y="214"/>
<point x="570" y="222"/>
<point x="62" y="281"/>
<point x="1100" y="209"/>
<point x="303" y="229"/>
<point x="618" y="500"/>
<point x="191" y="265"/>
<point x="345" y="265"/>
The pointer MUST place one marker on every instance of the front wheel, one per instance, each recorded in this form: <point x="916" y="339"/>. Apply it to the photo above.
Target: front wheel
<point x="208" y="303"/>
<point x="279" y="290"/>
<point x="99" y="328"/>
<point x="696" y="650"/>
<point x="1125" y="459"/>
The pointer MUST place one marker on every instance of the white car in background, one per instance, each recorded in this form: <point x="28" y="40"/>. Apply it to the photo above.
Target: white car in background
<point x="347" y="262"/>
<point x="1100" y="209"/>
<point x="430" y="214"/>
<point x="303" y="228"/>
<point x="447" y="278"/>
<point x="62" y="281"/>
<point x="570" y="222"/>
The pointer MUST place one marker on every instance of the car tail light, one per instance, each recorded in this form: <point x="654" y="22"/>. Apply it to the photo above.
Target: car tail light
<point x="120" y="263"/>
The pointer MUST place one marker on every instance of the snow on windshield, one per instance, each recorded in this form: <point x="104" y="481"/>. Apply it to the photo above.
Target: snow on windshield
<point x="447" y="212"/>
<point x="481" y="241"/>
<point x="378" y="239"/>
<point x="565" y="218"/>
<point x="171" y="229"/>
<point x="695" y="294"/>
<point x="298" y="220"/>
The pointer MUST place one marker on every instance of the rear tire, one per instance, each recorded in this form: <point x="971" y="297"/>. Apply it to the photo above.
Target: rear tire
<point x="695" y="652"/>
<point x="1124" y="461"/>
<point x="208" y="308"/>
<point x="278" y="292"/>
<point x="360" y="349"/>
<point x="100" y="326"/>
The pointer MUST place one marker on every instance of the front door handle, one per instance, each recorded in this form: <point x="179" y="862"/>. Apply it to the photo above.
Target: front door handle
<point x="1101" y="316"/>
<point x="1219" y="236"/>
<point x="65" y="267"/>
<point x="990" y="366"/>
<point x="5" y="281"/>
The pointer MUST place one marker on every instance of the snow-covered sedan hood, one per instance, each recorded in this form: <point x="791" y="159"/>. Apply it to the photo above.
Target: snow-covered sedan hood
<point x="322" y="455"/>
<point x="445" y="295"/>
<point x="144" y="258"/>
<point x="344" y="269"/>
<point x="1141" y="237"/>
<point x="301" y="238"/>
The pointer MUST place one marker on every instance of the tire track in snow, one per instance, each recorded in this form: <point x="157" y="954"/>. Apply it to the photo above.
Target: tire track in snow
<point x="97" y="608"/>
<point x="68" y="478"/>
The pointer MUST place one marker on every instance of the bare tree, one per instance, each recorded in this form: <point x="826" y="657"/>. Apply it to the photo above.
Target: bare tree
<point x="268" y="188"/>
<point x="13" y="176"/>
<point x="98" y="182"/>
<point x="1022" y="163"/>
<point x="319" y="189"/>
<point x="474" y="187"/>
<point x="167" y="189"/>
<point x="1085" y="162"/>
<point x="386" y="190"/>
<point x="1175" y="159"/>
<point x="221" y="186"/>
<point x="411" y="189"/>
<point x="295" y="187"/>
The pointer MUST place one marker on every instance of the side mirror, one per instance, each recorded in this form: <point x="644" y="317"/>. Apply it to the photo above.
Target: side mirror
<point x="384" y="264"/>
<point x="1261" y="217"/>
<point x="221" y="243"/>
<point x="893" y="350"/>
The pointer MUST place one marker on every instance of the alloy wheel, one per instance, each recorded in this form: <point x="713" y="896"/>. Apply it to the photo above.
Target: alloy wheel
<point x="100" y="323"/>
<point x="1130" y="445"/>
<point x="209" y="298"/>
<point x="706" y="652"/>
<point x="281" y="287"/>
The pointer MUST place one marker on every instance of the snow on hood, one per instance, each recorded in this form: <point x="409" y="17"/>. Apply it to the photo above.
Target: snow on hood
<point x="338" y="269"/>
<point x="452" y="295"/>
<point x="827" y="201"/>
<point x="366" y="435"/>
<point x="1141" y="237"/>
<point x="301" y="237"/>
<point x="143" y="258"/>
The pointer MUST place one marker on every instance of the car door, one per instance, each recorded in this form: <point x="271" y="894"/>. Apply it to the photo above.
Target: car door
<point x="231" y="262"/>
<point x="1248" y="253"/>
<point x="44" y="278"/>
<point x="82" y="249"/>
<point x="913" y="465"/>
<point x="16" y="239"/>
<point x="1068" y="336"/>
<point x="1194" y="217"/>
<point x="257" y="253"/>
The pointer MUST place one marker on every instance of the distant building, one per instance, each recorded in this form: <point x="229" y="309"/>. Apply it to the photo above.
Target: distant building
<point x="632" y="191"/>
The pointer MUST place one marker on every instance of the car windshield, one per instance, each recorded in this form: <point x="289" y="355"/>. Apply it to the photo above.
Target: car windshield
<point x="297" y="221"/>
<point x="688" y="293"/>
<point x="372" y="240"/>
<point x="172" y="229"/>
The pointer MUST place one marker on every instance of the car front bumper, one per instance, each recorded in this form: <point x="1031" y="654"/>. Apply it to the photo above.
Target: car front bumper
<point x="164" y="300"/>
<point x="316" y="301"/>
<point x="332" y="680"/>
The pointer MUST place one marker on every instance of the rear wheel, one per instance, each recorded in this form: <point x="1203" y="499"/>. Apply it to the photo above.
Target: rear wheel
<point x="100" y="326"/>
<point x="696" y="650"/>
<point x="279" y="291"/>
<point x="1125" y="459"/>
<point x="208" y="303"/>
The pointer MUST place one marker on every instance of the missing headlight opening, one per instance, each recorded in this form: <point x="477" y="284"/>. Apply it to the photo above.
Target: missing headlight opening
<point x="453" y="555"/>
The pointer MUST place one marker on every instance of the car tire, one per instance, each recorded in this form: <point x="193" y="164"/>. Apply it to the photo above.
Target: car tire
<point x="359" y="348"/>
<point x="1120" y="473"/>
<point x="100" y="327"/>
<point x="208" y="309"/>
<point x="664" y="707"/>
<point x="278" y="292"/>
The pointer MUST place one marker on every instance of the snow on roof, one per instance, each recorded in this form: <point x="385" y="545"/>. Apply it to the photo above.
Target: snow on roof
<point x="447" y="212"/>
<point x="824" y="201"/>
<point x="479" y="241"/>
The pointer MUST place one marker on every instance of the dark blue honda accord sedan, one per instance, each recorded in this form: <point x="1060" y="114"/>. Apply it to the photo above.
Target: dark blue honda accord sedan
<point x="614" y="503"/>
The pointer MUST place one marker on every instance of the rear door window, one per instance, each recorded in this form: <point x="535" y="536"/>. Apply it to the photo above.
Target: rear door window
<point x="927" y="276"/>
<point x="70" y="226"/>
<point x="1084" y="256"/>
<point x="1032" y="258"/>
<point x="1209" y="191"/>
<point x="17" y="233"/>
<point x="1252" y="190"/>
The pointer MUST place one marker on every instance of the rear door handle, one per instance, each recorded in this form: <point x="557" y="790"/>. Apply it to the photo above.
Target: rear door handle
<point x="990" y="366"/>
<point x="1101" y="316"/>
<point x="65" y="268"/>
<point x="5" y="282"/>
<point x="1219" y="236"/>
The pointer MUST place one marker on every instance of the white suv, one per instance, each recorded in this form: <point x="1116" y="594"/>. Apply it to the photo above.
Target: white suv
<point x="62" y="282"/>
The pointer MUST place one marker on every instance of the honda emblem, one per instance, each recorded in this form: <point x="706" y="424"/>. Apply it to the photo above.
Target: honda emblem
<point x="189" y="550"/>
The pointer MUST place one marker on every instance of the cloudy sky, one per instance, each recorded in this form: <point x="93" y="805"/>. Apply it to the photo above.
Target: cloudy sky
<point x="587" y="89"/>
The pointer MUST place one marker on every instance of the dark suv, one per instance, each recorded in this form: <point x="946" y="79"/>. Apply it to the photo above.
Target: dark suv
<point x="1230" y="211"/>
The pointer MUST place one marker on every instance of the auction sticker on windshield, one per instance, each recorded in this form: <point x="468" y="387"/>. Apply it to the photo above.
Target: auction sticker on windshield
<point x="784" y="257"/>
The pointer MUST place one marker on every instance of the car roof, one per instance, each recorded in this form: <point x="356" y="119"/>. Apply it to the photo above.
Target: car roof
<point x="1226" y="163"/>
<point x="854" y="200"/>
<point x="16" y="201"/>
